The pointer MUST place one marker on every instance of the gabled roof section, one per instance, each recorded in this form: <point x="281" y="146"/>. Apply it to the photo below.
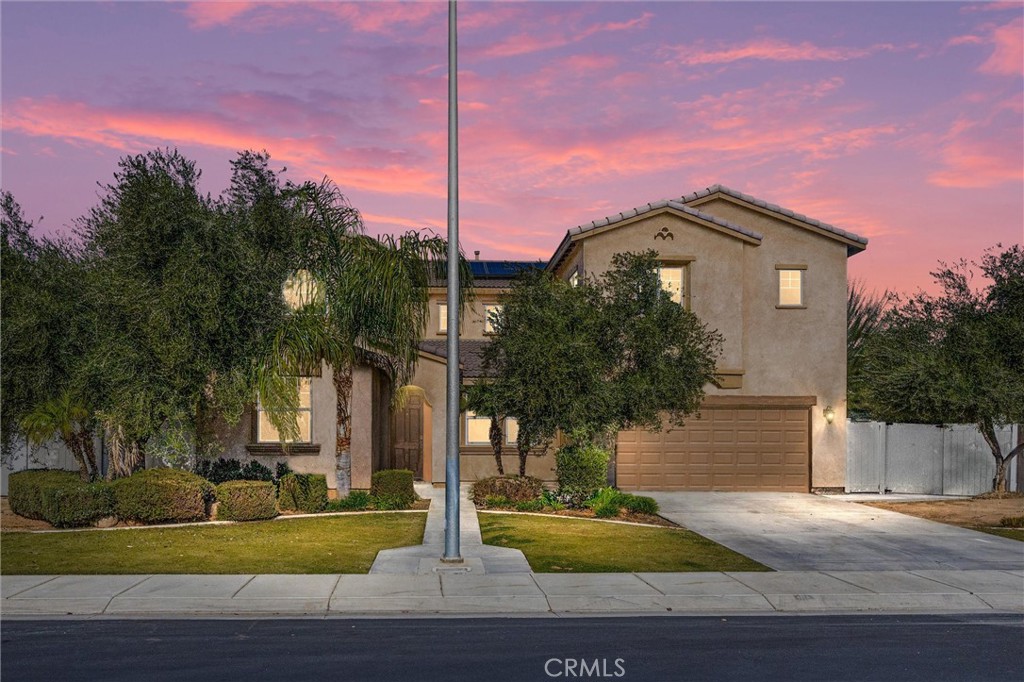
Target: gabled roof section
<point x="858" y="243"/>
<point x="471" y="354"/>
<point x="676" y="205"/>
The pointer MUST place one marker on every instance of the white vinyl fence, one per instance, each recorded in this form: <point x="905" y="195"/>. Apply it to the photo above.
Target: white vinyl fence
<point x="50" y="455"/>
<point x="923" y="459"/>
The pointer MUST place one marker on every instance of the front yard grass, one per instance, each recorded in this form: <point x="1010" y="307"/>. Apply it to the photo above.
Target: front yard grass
<point x="561" y="545"/>
<point x="339" y="544"/>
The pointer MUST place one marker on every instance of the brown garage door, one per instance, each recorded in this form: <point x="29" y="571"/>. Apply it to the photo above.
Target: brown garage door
<point x="749" y="446"/>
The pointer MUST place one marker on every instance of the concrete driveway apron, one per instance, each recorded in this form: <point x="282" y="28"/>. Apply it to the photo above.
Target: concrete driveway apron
<point x="801" y="532"/>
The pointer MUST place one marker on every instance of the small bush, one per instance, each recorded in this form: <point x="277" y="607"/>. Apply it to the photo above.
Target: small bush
<point x="78" y="503"/>
<point x="25" y="489"/>
<point x="514" y="488"/>
<point x="162" y="496"/>
<point x="219" y="470"/>
<point x="222" y="470"/>
<point x="581" y="471"/>
<point x="303" y="492"/>
<point x="357" y="500"/>
<point x="496" y="501"/>
<point x="254" y="471"/>
<point x="530" y="506"/>
<point x="281" y="469"/>
<point x="246" y="500"/>
<point x="392" y="489"/>
<point x="1012" y="522"/>
<point x="550" y="501"/>
<point x="639" y="504"/>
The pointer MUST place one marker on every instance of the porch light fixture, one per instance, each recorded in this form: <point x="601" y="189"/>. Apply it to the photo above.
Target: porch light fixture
<point x="830" y="414"/>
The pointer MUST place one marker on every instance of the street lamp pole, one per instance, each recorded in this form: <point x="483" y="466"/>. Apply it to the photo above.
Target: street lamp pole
<point x="451" y="469"/>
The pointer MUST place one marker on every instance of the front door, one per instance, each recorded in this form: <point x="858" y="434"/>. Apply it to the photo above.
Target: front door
<point x="407" y="436"/>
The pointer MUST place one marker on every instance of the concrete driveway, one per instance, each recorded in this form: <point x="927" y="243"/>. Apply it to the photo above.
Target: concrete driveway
<point x="801" y="532"/>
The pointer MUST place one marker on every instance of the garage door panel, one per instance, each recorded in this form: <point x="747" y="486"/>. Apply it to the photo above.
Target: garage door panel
<point x="727" y="449"/>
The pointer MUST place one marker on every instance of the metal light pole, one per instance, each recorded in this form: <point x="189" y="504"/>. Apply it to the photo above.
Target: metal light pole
<point x="451" y="436"/>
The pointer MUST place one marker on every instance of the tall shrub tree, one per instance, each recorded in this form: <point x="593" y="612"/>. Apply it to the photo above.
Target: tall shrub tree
<point x="865" y="312"/>
<point x="609" y="354"/>
<point x="957" y="356"/>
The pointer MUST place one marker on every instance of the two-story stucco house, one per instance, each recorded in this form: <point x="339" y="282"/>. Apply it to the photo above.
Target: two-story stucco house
<point x="772" y="281"/>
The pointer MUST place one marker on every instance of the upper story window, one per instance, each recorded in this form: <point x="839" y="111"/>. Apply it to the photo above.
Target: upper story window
<point x="265" y="431"/>
<point x="674" y="281"/>
<point x="574" y="278"/>
<point x="791" y="286"/>
<point x="300" y="289"/>
<point x="442" y="318"/>
<point x="491" y="311"/>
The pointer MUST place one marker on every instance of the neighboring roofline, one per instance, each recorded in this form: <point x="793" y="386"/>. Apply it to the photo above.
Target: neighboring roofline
<point x="671" y="205"/>
<point x="855" y="243"/>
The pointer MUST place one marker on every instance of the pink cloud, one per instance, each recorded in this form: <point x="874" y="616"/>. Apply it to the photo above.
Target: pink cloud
<point x="769" y="49"/>
<point x="206" y="15"/>
<point x="386" y="18"/>
<point x="1008" y="57"/>
<point x="528" y="43"/>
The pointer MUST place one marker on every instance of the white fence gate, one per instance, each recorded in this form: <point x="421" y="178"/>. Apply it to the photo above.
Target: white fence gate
<point x="924" y="459"/>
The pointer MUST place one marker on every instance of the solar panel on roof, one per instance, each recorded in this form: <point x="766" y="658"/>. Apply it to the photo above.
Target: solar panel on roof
<point x="501" y="268"/>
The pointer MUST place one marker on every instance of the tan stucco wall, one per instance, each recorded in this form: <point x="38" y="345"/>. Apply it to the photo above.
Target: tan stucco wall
<point x="362" y="427"/>
<point x="472" y="318"/>
<point x="734" y="288"/>
<point x="322" y="394"/>
<point x="474" y="462"/>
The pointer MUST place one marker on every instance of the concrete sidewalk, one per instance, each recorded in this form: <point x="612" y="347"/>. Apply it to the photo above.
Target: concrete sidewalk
<point x="425" y="559"/>
<point x="512" y="594"/>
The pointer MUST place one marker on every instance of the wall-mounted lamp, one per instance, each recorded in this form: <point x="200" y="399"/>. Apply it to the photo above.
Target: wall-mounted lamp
<point x="830" y="414"/>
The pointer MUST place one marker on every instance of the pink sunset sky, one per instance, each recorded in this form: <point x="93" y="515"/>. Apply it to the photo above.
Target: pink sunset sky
<point x="901" y="122"/>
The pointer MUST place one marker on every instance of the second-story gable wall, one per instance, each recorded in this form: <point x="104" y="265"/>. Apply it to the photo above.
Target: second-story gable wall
<point x="472" y="318"/>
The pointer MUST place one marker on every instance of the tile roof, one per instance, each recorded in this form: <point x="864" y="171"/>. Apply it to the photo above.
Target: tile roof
<point x="680" y="205"/>
<point x="470" y="354"/>
<point x="774" y="208"/>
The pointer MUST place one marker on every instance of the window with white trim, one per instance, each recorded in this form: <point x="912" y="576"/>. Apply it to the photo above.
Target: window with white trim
<point x="265" y="431"/>
<point x="442" y="318"/>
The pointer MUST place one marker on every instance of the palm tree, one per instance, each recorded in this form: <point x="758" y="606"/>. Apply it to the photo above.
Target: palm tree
<point x="65" y="417"/>
<point x="368" y="303"/>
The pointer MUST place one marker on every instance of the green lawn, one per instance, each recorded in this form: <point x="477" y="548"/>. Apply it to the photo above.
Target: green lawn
<point x="562" y="545"/>
<point x="1012" y="533"/>
<point x="345" y="544"/>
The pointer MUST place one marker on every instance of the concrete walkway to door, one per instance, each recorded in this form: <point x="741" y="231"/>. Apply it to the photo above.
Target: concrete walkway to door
<point x="801" y="532"/>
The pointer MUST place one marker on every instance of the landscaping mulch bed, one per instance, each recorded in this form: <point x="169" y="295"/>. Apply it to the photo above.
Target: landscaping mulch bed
<point x="983" y="512"/>
<point x="11" y="521"/>
<point x="649" y="519"/>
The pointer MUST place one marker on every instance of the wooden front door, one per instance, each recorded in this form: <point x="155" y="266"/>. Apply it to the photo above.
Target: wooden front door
<point x="407" y="437"/>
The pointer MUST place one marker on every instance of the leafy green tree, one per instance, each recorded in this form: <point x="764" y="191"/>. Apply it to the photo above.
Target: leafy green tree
<point x="44" y="317"/>
<point x="608" y="354"/>
<point x="65" y="417"/>
<point x="957" y="356"/>
<point x="865" y="312"/>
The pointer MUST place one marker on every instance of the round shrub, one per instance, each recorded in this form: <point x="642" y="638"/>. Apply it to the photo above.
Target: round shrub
<point x="162" y="496"/>
<point x="246" y="500"/>
<point x="392" y="489"/>
<point x="77" y="503"/>
<point x="582" y="470"/>
<point x="639" y="504"/>
<point x="303" y="492"/>
<point x="512" y="488"/>
<point x="25" y="489"/>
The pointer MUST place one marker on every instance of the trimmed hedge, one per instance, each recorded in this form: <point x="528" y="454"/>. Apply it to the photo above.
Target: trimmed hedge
<point x="162" y="496"/>
<point x="513" y="488"/>
<point x="582" y="471"/>
<point x="392" y="489"/>
<point x="303" y="492"/>
<point x="246" y="500"/>
<point x="78" y="503"/>
<point x="222" y="470"/>
<point x="25" y="489"/>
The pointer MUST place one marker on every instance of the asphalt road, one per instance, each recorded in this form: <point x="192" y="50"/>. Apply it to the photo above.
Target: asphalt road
<point x="791" y="648"/>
